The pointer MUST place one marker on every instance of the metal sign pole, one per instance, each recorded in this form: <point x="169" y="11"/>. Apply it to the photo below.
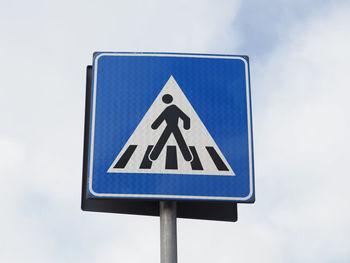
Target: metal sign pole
<point x="168" y="240"/>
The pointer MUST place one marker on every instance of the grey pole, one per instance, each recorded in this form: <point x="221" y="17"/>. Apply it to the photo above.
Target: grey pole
<point x="168" y="241"/>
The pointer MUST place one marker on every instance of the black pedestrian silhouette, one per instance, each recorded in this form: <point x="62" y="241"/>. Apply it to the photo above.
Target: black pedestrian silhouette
<point x="171" y="116"/>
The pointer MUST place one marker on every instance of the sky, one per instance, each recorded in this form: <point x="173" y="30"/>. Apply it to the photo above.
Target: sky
<point x="299" y="60"/>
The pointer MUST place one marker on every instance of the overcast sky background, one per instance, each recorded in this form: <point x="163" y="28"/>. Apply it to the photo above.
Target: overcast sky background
<point x="299" y="55"/>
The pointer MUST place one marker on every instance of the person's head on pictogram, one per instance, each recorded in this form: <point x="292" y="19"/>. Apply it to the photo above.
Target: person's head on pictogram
<point x="167" y="98"/>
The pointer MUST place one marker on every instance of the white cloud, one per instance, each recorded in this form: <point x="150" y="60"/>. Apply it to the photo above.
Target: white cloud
<point x="302" y="146"/>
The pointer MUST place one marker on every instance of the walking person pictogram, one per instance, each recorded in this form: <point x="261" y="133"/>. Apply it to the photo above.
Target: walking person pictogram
<point x="192" y="151"/>
<point x="171" y="116"/>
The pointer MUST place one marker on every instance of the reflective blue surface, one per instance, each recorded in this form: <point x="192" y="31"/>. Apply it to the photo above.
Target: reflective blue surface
<point x="125" y="86"/>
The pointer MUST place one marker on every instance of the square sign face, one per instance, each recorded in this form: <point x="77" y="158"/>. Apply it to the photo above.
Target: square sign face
<point x="171" y="126"/>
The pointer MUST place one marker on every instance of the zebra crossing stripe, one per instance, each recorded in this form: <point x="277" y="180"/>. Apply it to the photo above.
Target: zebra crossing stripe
<point x="171" y="158"/>
<point x="171" y="162"/>
<point x="195" y="163"/>
<point x="146" y="162"/>
<point x="216" y="159"/>
<point x="122" y="162"/>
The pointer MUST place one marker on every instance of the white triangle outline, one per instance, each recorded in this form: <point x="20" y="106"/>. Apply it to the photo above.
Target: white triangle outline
<point x="143" y="136"/>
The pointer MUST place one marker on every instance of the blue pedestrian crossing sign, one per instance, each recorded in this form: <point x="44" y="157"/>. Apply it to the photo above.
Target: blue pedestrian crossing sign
<point x="171" y="126"/>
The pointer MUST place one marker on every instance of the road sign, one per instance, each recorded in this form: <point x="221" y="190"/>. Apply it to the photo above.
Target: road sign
<point x="170" y="126"/>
